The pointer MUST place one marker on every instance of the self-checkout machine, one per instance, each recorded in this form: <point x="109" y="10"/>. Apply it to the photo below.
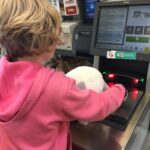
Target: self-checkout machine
<point x="77" y="19"/>
<point x="70" y="19"/>
<point x="121" y="46"/>
<point x="69" y="12"/>
<point x="83" y="32"/>
<point x="76" y="25"/>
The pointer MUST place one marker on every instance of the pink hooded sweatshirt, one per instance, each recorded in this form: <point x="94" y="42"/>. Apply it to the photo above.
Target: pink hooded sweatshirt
<point x="37" y="104"/>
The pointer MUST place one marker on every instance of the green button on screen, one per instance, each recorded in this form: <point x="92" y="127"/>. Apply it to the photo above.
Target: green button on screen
<point x="137" y="39"/>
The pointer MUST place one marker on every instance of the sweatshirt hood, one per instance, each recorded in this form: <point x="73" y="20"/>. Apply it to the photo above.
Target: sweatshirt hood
<point x="16" y="80"/>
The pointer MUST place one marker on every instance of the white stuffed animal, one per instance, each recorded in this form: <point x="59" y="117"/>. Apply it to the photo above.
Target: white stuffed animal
<point x="88" y="78"/>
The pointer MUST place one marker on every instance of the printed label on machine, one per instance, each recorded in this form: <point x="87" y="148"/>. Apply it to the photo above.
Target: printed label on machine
<point x="121" y="55"/>
<point x="71" y="7"/>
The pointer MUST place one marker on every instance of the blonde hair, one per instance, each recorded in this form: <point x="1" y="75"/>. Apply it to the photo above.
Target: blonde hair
<point x="27" y="25"/>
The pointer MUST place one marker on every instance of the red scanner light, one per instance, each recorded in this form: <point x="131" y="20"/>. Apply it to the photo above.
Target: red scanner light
<point x="110" y="84"/>
<point x="111" y="76"/>
<point x="135" y="92"/>
<point x="136" y="81"/>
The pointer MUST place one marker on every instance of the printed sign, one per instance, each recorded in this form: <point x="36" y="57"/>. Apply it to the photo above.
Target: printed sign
<point x="121" y="55"/>
<point x="71" y="7"/>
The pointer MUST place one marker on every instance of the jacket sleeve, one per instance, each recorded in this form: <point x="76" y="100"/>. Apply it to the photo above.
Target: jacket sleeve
<point x="67" y="102"/>
<point x="87" y="105"/>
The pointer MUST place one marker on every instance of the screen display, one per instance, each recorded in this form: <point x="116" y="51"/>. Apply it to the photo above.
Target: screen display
<point x="89" y="6"/>
<point x="124" y="28"/>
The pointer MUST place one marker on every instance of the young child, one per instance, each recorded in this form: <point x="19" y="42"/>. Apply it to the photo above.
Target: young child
<point x="37" y="103"/>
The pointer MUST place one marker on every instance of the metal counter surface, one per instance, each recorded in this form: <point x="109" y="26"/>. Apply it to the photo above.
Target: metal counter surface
<point x="96" y="136"/>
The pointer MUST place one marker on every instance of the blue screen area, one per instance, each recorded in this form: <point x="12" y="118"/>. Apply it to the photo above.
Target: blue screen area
<point x="90" y="6"/>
